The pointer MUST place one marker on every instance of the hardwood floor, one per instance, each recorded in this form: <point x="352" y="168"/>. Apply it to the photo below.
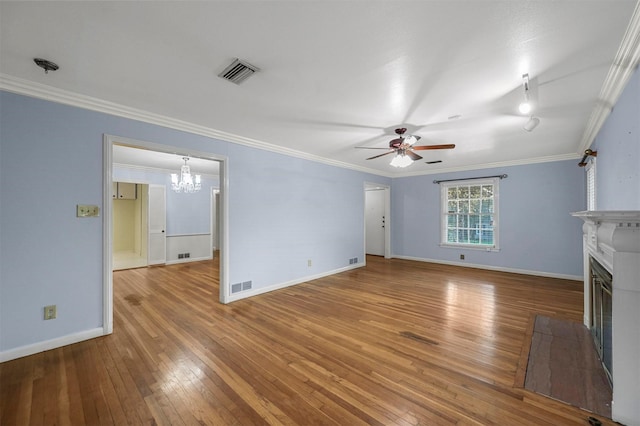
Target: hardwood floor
<point x="396" y="342"/>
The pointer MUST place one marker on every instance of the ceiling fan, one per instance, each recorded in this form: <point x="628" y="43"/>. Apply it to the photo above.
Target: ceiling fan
<point x="403" y="146"/>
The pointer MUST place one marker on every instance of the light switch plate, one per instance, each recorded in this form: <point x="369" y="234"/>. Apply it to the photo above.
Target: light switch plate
<point x="85" y="210"/>
<point x="50" y="312"/>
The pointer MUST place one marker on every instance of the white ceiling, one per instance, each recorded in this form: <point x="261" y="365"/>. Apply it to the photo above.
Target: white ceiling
<point x="336" y="74"/>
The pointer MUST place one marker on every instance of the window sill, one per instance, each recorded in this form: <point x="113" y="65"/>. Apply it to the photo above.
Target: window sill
<point x="470" y="247"/>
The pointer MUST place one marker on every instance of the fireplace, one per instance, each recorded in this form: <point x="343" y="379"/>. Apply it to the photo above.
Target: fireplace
<point x="611" y="253"/>
<point x="601" y="313"/>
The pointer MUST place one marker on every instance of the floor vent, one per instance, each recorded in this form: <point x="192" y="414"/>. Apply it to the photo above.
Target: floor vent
<point x="236" y="288"/>
<point x="238" y="71"/>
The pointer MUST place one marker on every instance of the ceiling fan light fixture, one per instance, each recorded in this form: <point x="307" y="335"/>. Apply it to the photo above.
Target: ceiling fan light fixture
<point x="410" y="139"/>
<point x="401" y="160"/>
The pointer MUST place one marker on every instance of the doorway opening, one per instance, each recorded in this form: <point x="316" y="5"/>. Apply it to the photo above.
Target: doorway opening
<point x="377" y="219"/>
<point x="148" y="169"/>
<point x="130" y="212"/>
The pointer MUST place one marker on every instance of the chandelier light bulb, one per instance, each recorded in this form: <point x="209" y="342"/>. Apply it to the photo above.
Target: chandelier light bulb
<point x="525" y="107"/>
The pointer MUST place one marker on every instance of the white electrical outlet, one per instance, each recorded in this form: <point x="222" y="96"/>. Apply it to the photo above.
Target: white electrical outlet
<point x="309" y="263"/>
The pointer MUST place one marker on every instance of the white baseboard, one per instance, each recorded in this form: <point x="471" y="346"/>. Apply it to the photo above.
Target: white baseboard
<point x="190" y="259"/>
<point x="494" y="268"/>
<point x="245" y="294"/>
<point x="50" y="344"/>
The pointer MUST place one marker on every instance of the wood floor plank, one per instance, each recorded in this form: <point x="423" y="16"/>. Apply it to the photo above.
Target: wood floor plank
<point x="395" y="342"/>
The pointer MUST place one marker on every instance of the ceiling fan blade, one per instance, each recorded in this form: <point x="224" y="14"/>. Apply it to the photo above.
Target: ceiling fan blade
<point x="386" y="153"/>
<point x="412" y="155"/>
<point x="424" y="147"/>
<point x="368" y="147"/>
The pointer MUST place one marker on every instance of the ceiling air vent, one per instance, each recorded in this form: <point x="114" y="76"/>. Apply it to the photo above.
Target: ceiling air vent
<point x="238" y="71"/>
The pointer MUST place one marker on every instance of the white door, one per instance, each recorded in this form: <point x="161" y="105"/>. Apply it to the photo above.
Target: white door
<point x="157" y="248"/>
<point x="375" y="222"/>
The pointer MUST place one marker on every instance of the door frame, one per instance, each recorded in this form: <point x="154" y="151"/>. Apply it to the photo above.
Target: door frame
<point x="151" y="202"/>
<point x="107" y="220"/>
<point x="214" y="222"/>
<point x="368" y="186"/>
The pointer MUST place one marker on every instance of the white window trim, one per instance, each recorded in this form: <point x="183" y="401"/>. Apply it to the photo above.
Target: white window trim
<point x="590" y="168"/>
<point x="496" y="215"/>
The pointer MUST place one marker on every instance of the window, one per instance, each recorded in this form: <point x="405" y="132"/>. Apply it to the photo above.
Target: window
<point x="590" y="168"/>
<point x="470" y="213"/>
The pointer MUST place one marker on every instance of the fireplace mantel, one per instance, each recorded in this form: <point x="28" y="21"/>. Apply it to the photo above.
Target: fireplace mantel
<point x="613" y="239"/>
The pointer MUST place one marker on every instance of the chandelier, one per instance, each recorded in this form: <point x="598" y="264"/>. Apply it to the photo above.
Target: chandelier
<point x="188" y="183"/>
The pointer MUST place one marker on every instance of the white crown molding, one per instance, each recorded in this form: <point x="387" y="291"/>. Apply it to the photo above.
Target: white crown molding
<point x="624" y="64"/>
<point x="41" y="91"/>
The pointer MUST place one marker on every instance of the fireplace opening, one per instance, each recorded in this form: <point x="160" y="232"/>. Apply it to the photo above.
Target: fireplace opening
<point x="601" y="314"/>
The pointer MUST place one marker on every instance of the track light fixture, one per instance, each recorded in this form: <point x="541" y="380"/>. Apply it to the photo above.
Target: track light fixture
<point x="525" y="107"/>
<point x="531" y="124"/>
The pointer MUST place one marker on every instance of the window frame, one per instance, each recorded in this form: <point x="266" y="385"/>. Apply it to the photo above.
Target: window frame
<point x="591" y="175"/>
<point x="444" y="188"/>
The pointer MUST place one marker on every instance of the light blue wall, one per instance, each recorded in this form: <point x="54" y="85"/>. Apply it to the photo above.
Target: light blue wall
<point x="283" y="211"/>
<point x="186" y="213"/>
<point x="618" y="146"/>
<point x="536" y="231"/>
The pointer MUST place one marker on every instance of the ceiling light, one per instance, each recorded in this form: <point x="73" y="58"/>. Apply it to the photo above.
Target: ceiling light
<point x="188" y="183"/>
<point x="45" y="65"/>
<point x="531" y="124"/>
<point x="401" y="160"/>
<point x="525" y="107"/>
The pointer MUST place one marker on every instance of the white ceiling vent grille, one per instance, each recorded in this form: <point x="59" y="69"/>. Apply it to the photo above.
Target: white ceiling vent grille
<point x="238" y="71"/>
